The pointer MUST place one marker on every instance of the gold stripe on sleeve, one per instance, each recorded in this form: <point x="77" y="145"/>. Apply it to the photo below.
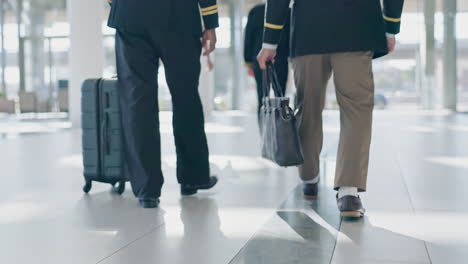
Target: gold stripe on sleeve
<point x="392" y="19"/>
<point x="210" y="8"/>
<point x="273" y="26"/>
<point x="209" y="12"/>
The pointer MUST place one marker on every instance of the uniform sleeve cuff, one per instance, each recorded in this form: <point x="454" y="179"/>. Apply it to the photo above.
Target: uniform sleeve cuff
<point x="269" y="46"/>
<point x="211" y="21"/>
<point x="390" y="35"/>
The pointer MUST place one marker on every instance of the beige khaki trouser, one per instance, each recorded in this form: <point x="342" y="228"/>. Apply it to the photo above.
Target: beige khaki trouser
<point x="354" y="84"/>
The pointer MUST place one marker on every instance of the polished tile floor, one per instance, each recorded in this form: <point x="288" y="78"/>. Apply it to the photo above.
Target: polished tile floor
<point x="417" y="201"/>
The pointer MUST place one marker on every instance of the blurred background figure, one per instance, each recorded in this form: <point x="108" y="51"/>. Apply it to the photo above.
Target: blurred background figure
<point x="253" y="45"/>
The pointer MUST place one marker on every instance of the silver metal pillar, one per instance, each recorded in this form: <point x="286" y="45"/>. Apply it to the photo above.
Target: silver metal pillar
<point x="428" y="56"/>
<point x="35" y="48"/>
<point x="239" y="81"/>
<point x="86" y="56"/>
<point x="21" y="58"/>
<point x="4" y="89"/>
<point x="450" y="54"/>
<point x="51" y="104"/>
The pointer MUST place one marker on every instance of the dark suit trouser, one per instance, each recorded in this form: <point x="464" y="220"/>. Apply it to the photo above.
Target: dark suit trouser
<point x="138" y="56"/>
<point x="282" y="70"/>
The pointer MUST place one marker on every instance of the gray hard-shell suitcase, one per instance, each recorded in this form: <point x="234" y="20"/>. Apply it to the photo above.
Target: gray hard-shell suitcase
<point x="102" y="134"/>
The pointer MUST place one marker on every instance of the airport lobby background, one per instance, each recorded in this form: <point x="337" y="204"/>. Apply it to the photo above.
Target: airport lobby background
<point x="416" y="201"/>
<point x="36" y="71"/>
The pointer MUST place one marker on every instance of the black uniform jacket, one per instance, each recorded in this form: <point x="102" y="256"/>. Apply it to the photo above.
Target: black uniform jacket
<point x="171" y="15"/>
<point x="254" y="36"/>
<point x="329" y="26"/>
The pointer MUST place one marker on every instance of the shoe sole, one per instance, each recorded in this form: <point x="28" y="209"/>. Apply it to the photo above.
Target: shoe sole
<point x="311" y="197"/>
<point x="149" y="205"/>
<point x="189" y="193"/>
<point x="195" y="190"/>
<point x="352" y="214"/>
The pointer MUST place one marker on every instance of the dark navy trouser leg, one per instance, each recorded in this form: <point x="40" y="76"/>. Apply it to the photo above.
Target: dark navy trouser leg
<point x="137" y="67"/>
<point x="138" y="55"/>
<point x="180" y="54"/>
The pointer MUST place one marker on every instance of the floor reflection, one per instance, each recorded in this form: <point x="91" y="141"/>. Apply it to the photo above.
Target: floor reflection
<point x="362" y="242"/>
<point x="306" y="227"/>
<point x="257" y="214"/>
<point x="202" y="230"/>
<point x="302" y="231"/>
<point x="13" y="126"/>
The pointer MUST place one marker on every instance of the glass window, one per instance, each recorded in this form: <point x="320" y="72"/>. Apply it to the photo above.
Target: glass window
<point x="36" y="51"/>
<point x="35" y="60"/>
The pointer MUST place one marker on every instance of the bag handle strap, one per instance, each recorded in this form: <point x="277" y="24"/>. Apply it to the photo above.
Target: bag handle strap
<point x="275" y="81"/>
<point x="266" y="83"/>
<point x="270" y="80"/>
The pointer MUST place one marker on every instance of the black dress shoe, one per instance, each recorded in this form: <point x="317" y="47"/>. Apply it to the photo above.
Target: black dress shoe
<point x="351" y="206"/>
<point x="149" y="202"/>
<point x="191" y="189"/>
<point x="310" y="190"/>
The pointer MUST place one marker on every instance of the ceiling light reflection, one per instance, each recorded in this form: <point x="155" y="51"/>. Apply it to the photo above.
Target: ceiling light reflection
<point x="457" y="162"/>
<point x="235" y="162"/>
<point x="21" y="211"/>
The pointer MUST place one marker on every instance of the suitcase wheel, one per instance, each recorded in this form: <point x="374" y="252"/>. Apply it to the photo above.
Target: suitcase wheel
<point x="120" y="188"/>
<point x="87" y="187"/>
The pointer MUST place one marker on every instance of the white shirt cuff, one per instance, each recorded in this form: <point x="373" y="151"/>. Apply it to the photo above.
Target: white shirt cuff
<point x="269" y="46"/>
<point x="390" y="35"/>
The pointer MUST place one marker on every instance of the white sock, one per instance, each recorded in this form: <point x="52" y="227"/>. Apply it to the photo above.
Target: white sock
<point x="314" y="181"/>
<point x="345" y="191"/>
